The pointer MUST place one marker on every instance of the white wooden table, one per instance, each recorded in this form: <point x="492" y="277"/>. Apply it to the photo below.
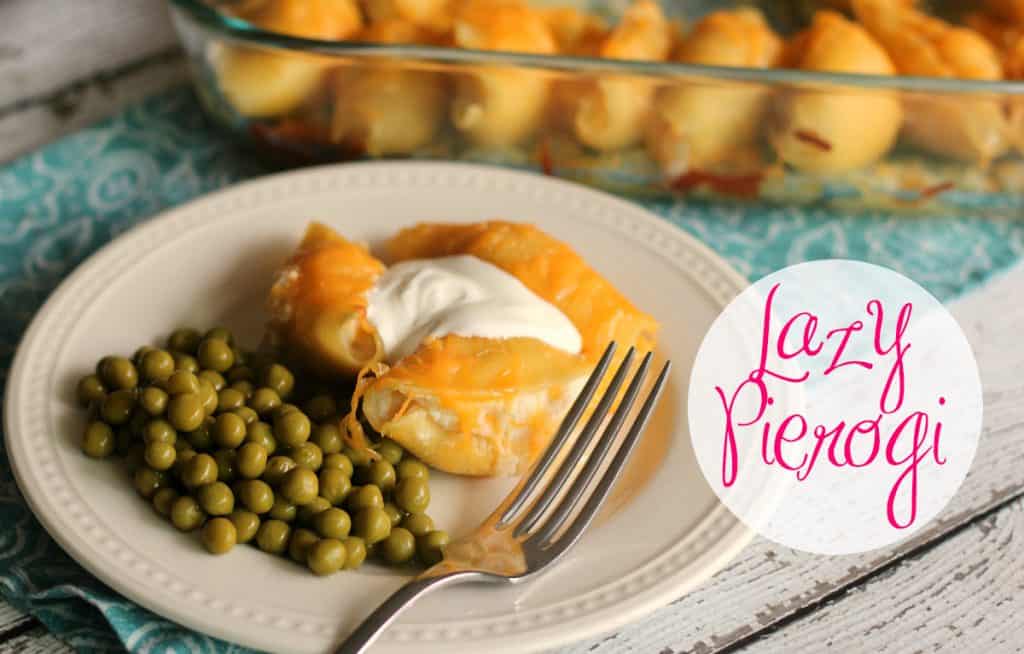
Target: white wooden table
<point x="958" y="586"/>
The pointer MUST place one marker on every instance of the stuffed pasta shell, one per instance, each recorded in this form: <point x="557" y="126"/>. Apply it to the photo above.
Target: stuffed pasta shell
<point x="388" y="109"/>
<point x="318" y="304"/>
<point x="262" y="83"/>
<point x="611" y="112"/>
<point x="961" y="126"/>
<point x="835" y="130"/>
<point x="500" y="106"/>
<point x="699" y="125"/>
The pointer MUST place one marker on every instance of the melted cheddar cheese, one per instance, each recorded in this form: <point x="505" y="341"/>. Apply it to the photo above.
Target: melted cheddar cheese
<point x="318" y="303"/>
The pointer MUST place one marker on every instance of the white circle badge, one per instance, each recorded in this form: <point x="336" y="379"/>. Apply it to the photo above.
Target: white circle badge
<point x="835" y="406"/>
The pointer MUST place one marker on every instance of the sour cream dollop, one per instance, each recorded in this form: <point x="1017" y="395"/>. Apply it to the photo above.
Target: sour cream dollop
<point x="462" y="295"/>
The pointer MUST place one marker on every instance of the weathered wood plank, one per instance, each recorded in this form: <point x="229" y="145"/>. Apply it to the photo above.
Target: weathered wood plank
<point x="963" y="595"/>
<point x="768" y="583"/>
<point x="35" y="641"/>
<point x="9" y="616"/>
<point x="85" y="103"/>
<point x="47" y="44"/>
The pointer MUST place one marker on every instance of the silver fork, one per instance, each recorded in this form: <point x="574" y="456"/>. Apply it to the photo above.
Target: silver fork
<point x="518" y="541"/>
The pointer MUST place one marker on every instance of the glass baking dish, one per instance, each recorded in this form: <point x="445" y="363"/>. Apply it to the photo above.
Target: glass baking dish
<point x="788" y="136"/>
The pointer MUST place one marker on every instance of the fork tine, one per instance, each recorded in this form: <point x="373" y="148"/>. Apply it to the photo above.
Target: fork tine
<point x="612" y="474"/>
<point x="597" y="457"/>
<point x="564" y="431"/>
<point x="577" y="450"/>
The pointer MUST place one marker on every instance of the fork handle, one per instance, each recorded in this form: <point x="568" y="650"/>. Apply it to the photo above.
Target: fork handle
<point x="375" y="623"/>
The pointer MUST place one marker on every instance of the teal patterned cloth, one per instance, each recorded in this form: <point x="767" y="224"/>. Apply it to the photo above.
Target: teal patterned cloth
<point x="60" y="204"/>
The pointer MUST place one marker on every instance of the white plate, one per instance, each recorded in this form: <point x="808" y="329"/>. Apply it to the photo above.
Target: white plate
<point x="210" y="261"/>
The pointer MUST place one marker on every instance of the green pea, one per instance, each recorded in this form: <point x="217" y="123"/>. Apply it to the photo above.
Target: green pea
<point x="243" y="387"/>
<point x="292" y="429"/>
<point x="220" y="333"/>
<point x="261" y="433"/>
<point x="272" y="536"/>
<point x="332" y="523"/>
<point x="418" y="524"/>
<point x="181" y="382"/>
<point x="140" y="354"/>
<point x="308" y="511"/>
<point x="98" y="440"/>
<point x="277" y="467"/>
<point x="208" y="396"/>
<point x="399" y="547"/>
<point x="118" y="373"/>
<point x="185" y="363"/>
<point x="412" y="469"/>
<point x="229" y="430"/>
<point x="328" y="438"/>
<point x="390" y="451"/>
<point x="326" y="556"/>
<point x="186" y="514"/>
<point x="338" y="462"/>
<point x="148" y="481"/>
<point x="284" y="409"/>
<point x="226" y="464"/>
<point x="430" y="547"/>
<point x="334" y="485"/>
<point x="264" y="401"/>
<point x="200" y="470"/>
<point x="279" y="378"/>
<point x="256" y="495"/>
<point x="393" y="512"/>
<point x="299" y="544"/>
<point x="307" y="456"/>
<point x="159" y="431"/>
<point x="320" y="408"/>
<point x="412" y="495"/>
<point x="371" y="524"/>
<point x="201" y="438"/>
<point x="251" y="460"/>
<point x="219" y="535"/>
<point x="363" y="497"/>
<point x="380" y="473"/>
<point x="300" y="486"/>
<point x="163" y="500"/>
<point x="117" y="407"/>
<point x="283" y="510"/>
<point x="359" y="458"/>
<point x="183" y="339"/>
<point x="160" y="456"/>
<point x="157" y="366"/>
<point x="247" y="415"/>
<point x="215" y="354"/>
<point x="185" y="412"/>
<point x="216" y="498"/>
<point x="153" y="400"/>
<point x="241" y="374"/>
<point x="214" y="378"/>
<point x="356" y="548"/>
<point x="90" y="390"/>
<point x="229" y="399"/>
<point x="246" y="523"/>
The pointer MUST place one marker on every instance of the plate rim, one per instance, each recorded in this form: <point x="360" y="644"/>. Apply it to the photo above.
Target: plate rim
<point x="559" y="629"/>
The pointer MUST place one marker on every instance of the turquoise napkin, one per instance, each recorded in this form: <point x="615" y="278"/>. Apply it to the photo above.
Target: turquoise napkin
<point x="63" y="202"/>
